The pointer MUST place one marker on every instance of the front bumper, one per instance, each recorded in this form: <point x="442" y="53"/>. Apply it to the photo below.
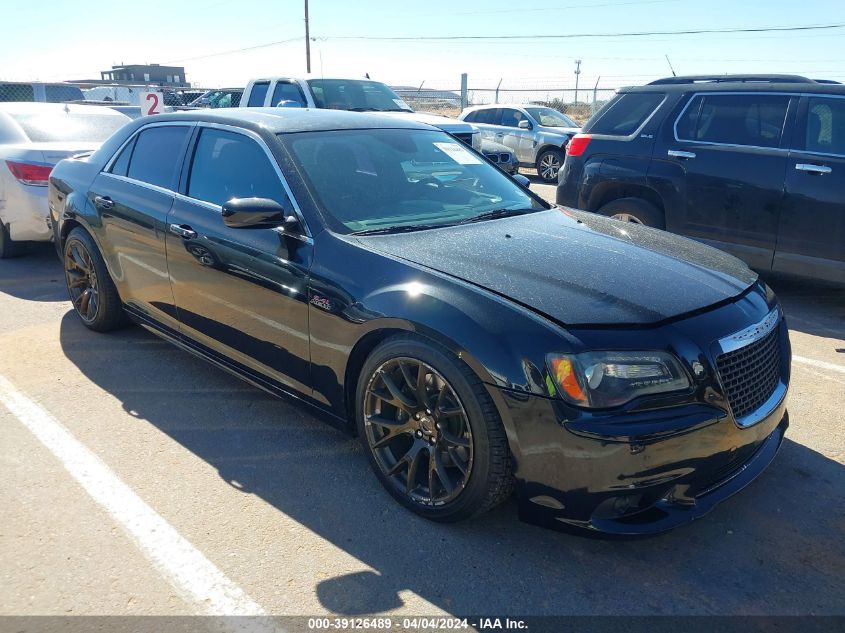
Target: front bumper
<point x="634" y="485"/>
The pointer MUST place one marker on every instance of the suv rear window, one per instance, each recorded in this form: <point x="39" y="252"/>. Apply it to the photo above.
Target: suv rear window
<point x="60" y="94"/>
<point x="751" y="119"/>
<point x="625" y="114"/>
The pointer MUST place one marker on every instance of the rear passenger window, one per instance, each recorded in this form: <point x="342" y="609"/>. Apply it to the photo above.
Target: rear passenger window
<point x="487" y="116"/>
<point x="258" y="94"/>
<point x="287" y="91"/>
<point x="228" y="165"/>
<point x="627" y="113"/>
<point x="754" y="119"/>
<point x="157" y="153"/>
<point x="120" y="167"/>
<point x="826" y="126"/>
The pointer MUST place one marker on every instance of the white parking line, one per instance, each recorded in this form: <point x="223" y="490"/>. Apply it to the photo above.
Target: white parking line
<point x="819" y="363"/>
<point x="197" y="580"/>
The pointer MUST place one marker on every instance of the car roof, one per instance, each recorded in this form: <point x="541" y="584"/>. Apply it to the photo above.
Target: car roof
<point x="306" y="77"/>
<point x="282" y="120"/>
<point x="741" y="83"/>
<point x="34" y="107"/>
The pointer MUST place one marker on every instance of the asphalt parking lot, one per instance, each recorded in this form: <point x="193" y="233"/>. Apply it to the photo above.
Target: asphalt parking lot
<point x="286" y="509"/>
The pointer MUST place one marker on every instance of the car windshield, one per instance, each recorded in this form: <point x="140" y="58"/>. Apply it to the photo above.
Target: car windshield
<point x="41" y="127"/>
<point x="389" y="180"/>
<point x="551" y="118"/>
<point x="357" y="95"/>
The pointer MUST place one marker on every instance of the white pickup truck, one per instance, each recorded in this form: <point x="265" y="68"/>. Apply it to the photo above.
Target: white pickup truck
<point x="359" y="95"/>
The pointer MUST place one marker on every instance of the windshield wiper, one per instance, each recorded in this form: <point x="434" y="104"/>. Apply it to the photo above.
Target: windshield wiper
<point x="496" y="213"/>
<point x="407" y="228"/>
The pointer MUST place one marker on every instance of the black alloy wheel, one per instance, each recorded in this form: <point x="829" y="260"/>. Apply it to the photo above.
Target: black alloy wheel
<point x="431" y="431"/>
<point x="91" y="289"/>
<point x="418" y="431"/>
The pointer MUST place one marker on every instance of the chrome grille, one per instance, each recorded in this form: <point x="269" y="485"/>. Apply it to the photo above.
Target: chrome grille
<point x="750" y="374"/>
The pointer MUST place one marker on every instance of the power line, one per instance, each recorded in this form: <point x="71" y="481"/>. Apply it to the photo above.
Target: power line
<point x="545" y="36"/>
<point x="235" y="50"/>
<point x="567" y="7"/>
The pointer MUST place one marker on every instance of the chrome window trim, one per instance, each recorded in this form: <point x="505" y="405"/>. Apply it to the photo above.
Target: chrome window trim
<point x="636" y="133"/>
<point x="256" y="137"/>
<point x="735" y="93"/>
<point x="107" y="168"/>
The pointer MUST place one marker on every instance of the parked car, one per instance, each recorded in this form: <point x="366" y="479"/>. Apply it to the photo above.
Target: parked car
<point x="753" y="164"/>
<point x="536" y="134"/>
<point x="357" y="95"/>
<point x="222" y="98"/>
<point x="501" y="155"/>
<point x="33" y="138"/>
<point x="39" y="92"/>
<point x="475" y="337"/>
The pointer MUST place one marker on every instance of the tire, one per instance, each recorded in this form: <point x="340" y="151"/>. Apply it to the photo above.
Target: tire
<point x="8" y="247"/>
<point x="86" y="272"/>
<point x="635" y="210"/>
<point x="470" y="445"/>
<point x="549" y="163"/>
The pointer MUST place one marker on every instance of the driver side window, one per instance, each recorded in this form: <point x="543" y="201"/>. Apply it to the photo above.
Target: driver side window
<point x="229" y="165"/>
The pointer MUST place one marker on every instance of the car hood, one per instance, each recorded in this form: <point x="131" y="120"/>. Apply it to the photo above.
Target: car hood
<point x="452" y="126"/>
<point x="578" y="268"/>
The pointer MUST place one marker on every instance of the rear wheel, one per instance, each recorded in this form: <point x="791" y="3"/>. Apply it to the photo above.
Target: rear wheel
<point x="8" y="247"/>
<point x="549" y="163"/>
<point x="634" y="210"/>
<point x="431" y="432"/>
<point x="89" y="284"/>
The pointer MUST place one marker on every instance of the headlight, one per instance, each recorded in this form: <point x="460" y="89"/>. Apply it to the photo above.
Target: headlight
<point x="609" y="379"/>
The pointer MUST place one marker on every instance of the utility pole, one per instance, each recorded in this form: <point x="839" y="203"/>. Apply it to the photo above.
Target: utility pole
<point x="577" y="73"/>
<point x="307" y="42"/>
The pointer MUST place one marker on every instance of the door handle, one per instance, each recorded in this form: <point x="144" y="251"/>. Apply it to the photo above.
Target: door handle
<point x="813" y="169"/>
<point x="676" y="153"/>
<point x="183" y="230"/>
<point x="104" y="202"/>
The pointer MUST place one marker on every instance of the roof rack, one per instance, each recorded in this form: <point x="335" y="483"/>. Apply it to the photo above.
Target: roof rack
<point x="780" y="79"/>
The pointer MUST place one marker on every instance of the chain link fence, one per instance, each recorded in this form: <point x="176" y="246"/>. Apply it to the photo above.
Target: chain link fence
<point x="578" y="105"/>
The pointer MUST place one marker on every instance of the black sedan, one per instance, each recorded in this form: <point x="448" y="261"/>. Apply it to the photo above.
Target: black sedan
<point x="622" y="379"/>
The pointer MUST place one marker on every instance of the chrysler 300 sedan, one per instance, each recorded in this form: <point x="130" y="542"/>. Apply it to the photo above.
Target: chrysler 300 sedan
<point x="478" y="340"/>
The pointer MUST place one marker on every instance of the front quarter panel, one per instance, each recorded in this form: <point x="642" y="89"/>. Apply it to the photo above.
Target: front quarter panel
<point x="356" y="292"/>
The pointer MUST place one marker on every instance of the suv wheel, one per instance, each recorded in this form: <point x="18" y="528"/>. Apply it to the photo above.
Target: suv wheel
<point x="634" y="210"/>
<point x="549" y="163"/>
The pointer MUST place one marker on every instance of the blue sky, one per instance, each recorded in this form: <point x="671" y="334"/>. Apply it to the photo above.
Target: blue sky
<point x="65" y="39"/>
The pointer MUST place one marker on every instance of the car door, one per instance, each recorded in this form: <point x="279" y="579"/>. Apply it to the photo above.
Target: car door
<point x="811" y="236"/>
<point x="518" y="140"/>
<point x="133" y="196"/>
<point x="485" y="120"/>
<point x="731" y="153"/>
<point x="240" y="292"/>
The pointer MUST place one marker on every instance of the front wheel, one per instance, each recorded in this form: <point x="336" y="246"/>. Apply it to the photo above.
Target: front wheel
<point x="548" y="164"/>
<point x="431" y="432"/>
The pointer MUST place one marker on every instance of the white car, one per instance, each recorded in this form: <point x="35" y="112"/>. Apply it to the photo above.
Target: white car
<point x="33" y="138"/>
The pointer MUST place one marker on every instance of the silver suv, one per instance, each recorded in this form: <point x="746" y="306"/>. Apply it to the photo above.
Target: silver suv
<point x="536" y="134"/>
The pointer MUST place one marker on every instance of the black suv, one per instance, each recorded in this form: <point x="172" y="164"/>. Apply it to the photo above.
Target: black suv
<point x="752" y="164"/>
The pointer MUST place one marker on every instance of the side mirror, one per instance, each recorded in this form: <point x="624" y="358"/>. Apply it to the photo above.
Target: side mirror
<point x="522" y="180"/>
<point x="525" y="124"/>
<point x="248" y="213"/>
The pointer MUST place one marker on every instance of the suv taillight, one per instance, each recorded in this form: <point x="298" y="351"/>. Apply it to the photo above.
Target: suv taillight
<point x="36" y="174"/>
<point x="578" y="144"/>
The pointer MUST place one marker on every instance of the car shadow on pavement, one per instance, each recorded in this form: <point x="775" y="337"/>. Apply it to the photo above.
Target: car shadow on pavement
<point x="35" y="276"/>
<point x="776" y="548"/>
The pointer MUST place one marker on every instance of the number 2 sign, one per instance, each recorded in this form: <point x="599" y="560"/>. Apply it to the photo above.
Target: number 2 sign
<point x="151" y="103"/>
